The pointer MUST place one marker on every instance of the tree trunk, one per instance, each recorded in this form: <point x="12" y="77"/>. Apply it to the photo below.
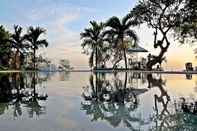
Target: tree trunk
<point x="96" y="58"/>
<point x="17" y="52"/>
<point x="34" y="59"/>
<point x="157" y="59"/>
<point x="115" y="64"/>
<point x="125" y="82"/>
<point x="15" y="61"/>
<point x="125" y="59"/>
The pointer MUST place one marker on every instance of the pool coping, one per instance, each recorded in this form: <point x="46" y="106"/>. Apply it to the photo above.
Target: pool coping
<point x="105" y="71"/>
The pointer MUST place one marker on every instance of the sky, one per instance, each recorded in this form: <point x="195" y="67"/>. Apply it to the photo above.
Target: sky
<point x="65" y="19"/>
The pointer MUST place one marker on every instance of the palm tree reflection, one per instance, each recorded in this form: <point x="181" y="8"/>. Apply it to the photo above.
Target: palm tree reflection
<point x="33" y="102"/>
<point x="18" y="90"/>
<point x="111" y="101"/>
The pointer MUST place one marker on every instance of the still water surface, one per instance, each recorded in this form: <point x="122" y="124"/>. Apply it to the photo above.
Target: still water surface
<point x="81" y="101"/>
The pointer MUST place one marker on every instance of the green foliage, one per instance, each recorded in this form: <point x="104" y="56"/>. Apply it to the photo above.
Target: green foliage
<point x="19" y="92"/>
<point x="18" y="47"/>
<point x="102" y="41"/>
<point x="33" y="38"/>
<point x="65" y="65"/>
<point x="93" y="42"/>
<point x="167" y="18"/>
<point x="118" y="31"/>
<point x="4" y="48"/>
<point x="186" y="32"/>
<point x="18" y="40"/>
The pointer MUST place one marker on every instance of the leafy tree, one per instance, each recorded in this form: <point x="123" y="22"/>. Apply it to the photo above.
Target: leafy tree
<point x="4" y="47"/>
<point x="118" y="30"/>
<point x="33" y="37"/>
<point x="93" y="42"/>
<point x="166" y="17"/>
<point x="187" y="31"/>
<point x="65" y="65"/>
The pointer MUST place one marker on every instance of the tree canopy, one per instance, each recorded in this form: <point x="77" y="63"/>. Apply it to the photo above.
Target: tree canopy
<point x="119" y="30"/>
<point x="167" y="18"/>
<point x="5" y="47"/>
<point x="92" y="42"/>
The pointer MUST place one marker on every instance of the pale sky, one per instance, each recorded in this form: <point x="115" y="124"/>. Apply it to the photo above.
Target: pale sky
<point x="65" y="19"/>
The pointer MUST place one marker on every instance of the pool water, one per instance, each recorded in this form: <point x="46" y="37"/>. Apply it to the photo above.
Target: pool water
<point x="86" y="101"/>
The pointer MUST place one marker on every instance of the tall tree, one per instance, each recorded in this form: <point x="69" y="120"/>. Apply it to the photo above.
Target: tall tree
<point x="93" y="42"/>
<point x="17" y="41"/>
<point x="33" y="37"/>
<point x="165" y="17"/>
<point x="119" y="30"/>
<point x="5" y="47"/>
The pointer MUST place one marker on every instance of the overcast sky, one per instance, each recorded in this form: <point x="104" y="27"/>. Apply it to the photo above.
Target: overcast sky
<point x="65" y="19"/>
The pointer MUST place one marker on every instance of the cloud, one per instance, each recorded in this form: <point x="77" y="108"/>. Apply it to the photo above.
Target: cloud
<point x="64" y="42"/>
<point x="63" y="20"/>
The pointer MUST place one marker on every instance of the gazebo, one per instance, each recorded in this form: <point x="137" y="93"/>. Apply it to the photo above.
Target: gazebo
<point x="137" y="64"/>
<point x="137" y="49"/>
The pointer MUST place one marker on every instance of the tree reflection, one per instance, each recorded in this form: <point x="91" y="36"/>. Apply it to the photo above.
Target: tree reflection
<point x="163" y="98"/>
<point x="165" y="117"/>
<point x="111" y="100"/>
<point x="188" y="76"/>
<point x="64" y="76"/>
<point x="19" y="90"/>
<point x="33" y="101"/>
<point x="5" y="90"/>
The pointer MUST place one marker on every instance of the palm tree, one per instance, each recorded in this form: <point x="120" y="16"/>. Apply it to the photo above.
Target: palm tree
<point x="33" y="37"/>
<point x="92" y="39"/>
<point x="119" y="30"/>
<point x="17" y="41"/>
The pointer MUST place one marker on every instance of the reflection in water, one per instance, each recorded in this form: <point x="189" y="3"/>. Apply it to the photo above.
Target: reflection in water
<point x="164" y="98"/>
<point x="135" y="79"/>
<point x="188" y="107"/>
<point x="126" y="101"/>
<point x="112" y="101"/>
<point x="64" y="76"/>
<point x="18" y="90"/>
<point x="189" y="76"/>
<point x="165" y="120"/>
<point x="159" y="116"/>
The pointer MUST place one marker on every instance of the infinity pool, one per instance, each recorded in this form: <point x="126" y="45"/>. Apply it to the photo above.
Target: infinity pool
<point x="79" y="101"/>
